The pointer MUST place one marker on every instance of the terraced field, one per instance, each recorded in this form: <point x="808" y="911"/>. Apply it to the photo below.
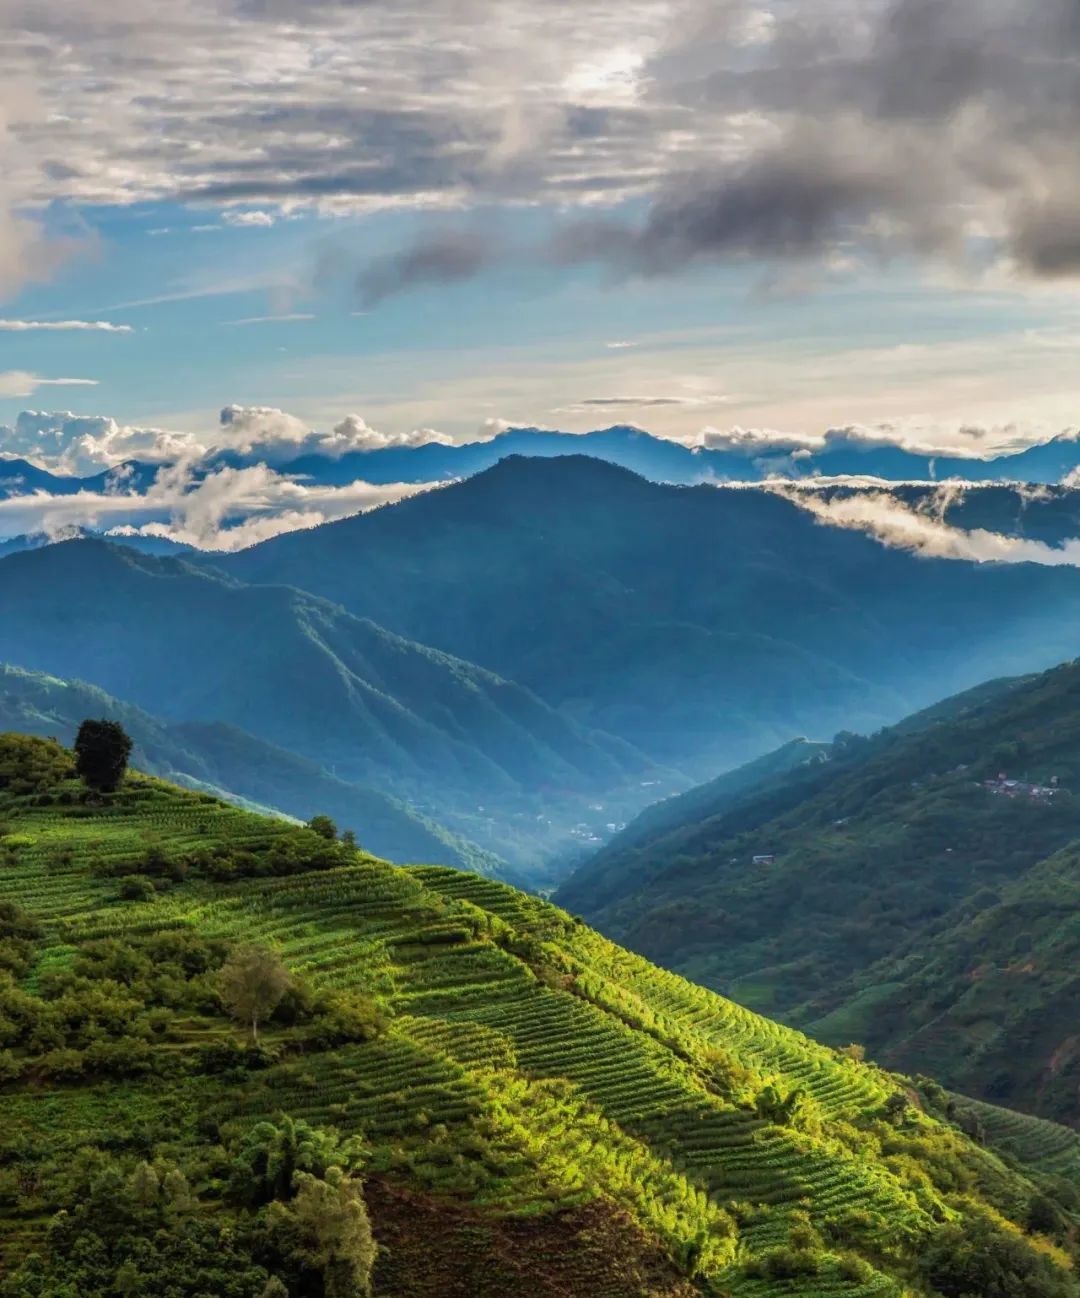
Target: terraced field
<point x="528" y="1067"/>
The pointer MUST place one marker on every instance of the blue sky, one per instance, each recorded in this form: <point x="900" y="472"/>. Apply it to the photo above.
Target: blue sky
<point x="781" y="222"/>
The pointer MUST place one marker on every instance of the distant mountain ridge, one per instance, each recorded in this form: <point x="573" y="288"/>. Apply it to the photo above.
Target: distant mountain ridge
<point x="657" y="458"/>
<point x="703" y="626"/>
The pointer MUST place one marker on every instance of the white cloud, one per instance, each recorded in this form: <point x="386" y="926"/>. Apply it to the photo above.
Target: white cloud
<point x="756" y="442"/>
<point x="619" y="345"/>
<point x="21" y="383"/>
<point x="275" y="435"/>
<point x="63" y="326"/>
<point x="930" y="440"/>
<point x="257" y="219"/>
<point x="227" y="509"/>
<point x="896" y="524"/>
<point x="287" y="317"/>
<point x="82" y="445"/>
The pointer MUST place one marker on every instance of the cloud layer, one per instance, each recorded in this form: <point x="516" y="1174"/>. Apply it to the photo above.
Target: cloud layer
<point x="85" y="445"/>
<point x="894" y="523"/>
<point x="786" y="131"/>
<point x="227" y="509"/>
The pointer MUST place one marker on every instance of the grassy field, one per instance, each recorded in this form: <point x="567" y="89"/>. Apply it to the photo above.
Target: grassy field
<point x="529" y="1075"/>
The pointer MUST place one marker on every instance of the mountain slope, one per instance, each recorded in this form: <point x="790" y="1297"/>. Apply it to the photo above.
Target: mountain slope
<point x="510" y="1067"/>
<point x="909" y="905"/>
<point x="224" y="759"/>
<point x="702" y="625"/>
<point x="189" y="644"/>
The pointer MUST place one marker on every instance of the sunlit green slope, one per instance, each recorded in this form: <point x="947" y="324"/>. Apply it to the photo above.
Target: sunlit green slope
<point x="543" y="1111"/>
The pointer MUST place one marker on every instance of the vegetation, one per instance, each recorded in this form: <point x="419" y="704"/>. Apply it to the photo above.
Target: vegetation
<point x="252" y="983"/>
<point x="375" y="708"/>
<point x="228" y="761"/>
<point x="459" y="1088"/>
<point x="907" y="906"/>
<point x="102" y="749"/>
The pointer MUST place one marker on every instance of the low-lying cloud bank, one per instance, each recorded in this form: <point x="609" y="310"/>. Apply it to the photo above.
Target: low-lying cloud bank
<point x="85" y="445"/>
<point x="229" y="509"/>
<point x="923" y="530"/>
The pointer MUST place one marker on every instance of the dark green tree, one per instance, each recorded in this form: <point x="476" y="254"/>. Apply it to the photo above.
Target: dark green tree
<point x="102" y="749"/>
<point x="323" y="826"/>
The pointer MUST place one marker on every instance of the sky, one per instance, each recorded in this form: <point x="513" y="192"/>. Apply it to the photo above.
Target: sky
<point x="393" y="220"/>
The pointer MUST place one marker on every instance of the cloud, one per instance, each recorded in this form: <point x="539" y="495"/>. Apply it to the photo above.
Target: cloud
<point x="786" y="134"/>
<point x="21" y="383"/>
<point x="962" y="440"/>
<point x="754" y="442"/>
<point x="259" y="220"/>
<point x="900" y="526"/>
<point x="82" y="445"/>
<point x="586" y="404"/>
<point x="275" y="435"/>
<point x="227" y="509"/>
<point x="287" y="317"/>
<point x="620" y="344"/>
<point x="63" y="326"/>
<point x="443" y="258"/>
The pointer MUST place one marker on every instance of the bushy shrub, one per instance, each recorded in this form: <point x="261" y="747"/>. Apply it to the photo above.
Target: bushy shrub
<point x="137" y="887"/>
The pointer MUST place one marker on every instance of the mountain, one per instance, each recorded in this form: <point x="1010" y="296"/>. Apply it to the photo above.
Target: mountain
<point x="19" y="477"/>
<point x="840" y="454"/>
<point x="703" y="625"/>
<point x="667" y="461"/>
<point x="226" y="760"/>
<point x="908" y="898"/>
<point x="541" y="1112"/>
<point x="144" y="544"/>
<point x="189" y="644"/>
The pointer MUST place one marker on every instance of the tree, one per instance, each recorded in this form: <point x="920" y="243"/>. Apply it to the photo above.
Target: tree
<point x="323" y="826"/>
<point x="102" y="749"/>
<point x="331" y="1231"/>
<point x="251" y="983"/>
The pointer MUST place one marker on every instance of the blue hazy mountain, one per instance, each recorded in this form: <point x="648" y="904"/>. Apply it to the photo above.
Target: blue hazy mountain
<point x="702" y="625"/>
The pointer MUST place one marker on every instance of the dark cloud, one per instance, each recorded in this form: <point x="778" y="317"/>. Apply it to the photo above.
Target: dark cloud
<point x="437" y="259"/>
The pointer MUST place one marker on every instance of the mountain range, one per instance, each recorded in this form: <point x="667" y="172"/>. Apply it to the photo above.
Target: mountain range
<point x="735" y="459"/>
<point x="701" y="625"/>
<point x="189" y="644"/>
<point x="529" y="656"/>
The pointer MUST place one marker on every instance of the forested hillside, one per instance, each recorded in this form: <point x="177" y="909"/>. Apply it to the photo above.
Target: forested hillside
<point x="454" y="1088"/>
<point x="906" y="895"/>
<point x="190" y="645"/>
<point x="226" y="760"/>
<point x="703" y="625"/>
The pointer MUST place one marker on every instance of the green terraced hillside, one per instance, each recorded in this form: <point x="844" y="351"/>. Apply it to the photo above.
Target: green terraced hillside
<point x="539" y="1111"/>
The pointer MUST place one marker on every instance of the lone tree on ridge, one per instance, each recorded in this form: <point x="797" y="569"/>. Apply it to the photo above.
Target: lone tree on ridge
<point x="102" y="749"/>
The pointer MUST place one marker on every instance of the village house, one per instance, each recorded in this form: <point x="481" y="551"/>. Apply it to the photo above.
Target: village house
<point x="1003" y="787"/>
